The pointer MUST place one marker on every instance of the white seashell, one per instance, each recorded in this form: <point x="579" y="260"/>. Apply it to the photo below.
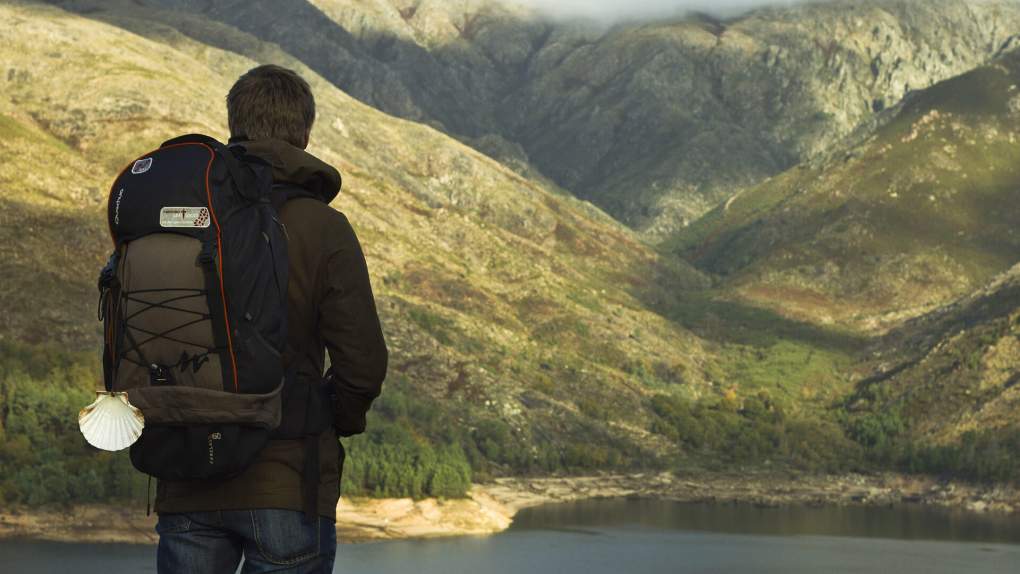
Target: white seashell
<point x="111" y="422"/>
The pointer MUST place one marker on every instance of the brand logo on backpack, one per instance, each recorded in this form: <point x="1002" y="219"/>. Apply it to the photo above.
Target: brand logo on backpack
<point x="184" y="217"/>
<point x="116" y="207"/>
<point x="141" y="166"/>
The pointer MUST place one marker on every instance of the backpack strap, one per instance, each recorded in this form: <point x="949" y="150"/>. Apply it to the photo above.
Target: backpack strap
<point x="233" y="157"/>
<point x="207" y="261"/>
<point x="307" y="411"/>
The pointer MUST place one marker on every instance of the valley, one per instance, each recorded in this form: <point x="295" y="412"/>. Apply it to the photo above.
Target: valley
<point x="786" y="239"/>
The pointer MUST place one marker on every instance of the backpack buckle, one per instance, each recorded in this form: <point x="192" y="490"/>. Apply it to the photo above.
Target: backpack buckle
<point x="108" y="276"/>
<point x="207" y="256"/>
<point x="159" y="376"/>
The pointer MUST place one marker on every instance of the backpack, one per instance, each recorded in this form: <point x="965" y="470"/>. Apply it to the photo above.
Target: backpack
<point x="194" y="306"/>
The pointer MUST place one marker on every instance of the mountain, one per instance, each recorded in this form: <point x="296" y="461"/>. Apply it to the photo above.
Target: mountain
<point x="920" y="209"/>
<point x="806" y="322"/>
<point x="655" y="122"/>
<point x="529" y="331"/>
<point x="907" y="231"/>
<point x="505" y="302"/>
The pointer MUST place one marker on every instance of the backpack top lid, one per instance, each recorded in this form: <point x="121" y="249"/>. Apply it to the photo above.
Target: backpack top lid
<point x="181" y="187"/>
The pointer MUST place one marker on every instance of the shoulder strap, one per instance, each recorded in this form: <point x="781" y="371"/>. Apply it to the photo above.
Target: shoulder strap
<point x="233" y="157"/>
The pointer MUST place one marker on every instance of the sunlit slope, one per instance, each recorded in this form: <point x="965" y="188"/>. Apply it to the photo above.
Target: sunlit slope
<point x="500" y="299"/>
<point x="923" y="211"/>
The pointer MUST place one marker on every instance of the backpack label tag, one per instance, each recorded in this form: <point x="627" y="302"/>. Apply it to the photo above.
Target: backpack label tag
<point x="184" y="217"/>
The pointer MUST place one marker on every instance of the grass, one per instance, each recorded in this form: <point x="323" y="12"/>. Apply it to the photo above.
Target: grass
<point x="438" y="326"/>
<point x="795" y="373"/>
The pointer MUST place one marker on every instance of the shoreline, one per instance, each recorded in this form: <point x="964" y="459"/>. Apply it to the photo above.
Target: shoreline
<point x="490" y="508"/>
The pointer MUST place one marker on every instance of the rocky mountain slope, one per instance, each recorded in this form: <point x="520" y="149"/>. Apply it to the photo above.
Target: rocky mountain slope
<point x="507" y="303"/>
<point x="921" y="210"/>
<point x="655" y="122"/>
<point x="906" y="231"/>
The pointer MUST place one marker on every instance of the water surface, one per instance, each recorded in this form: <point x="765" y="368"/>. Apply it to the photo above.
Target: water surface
<point x="646" y="537"/>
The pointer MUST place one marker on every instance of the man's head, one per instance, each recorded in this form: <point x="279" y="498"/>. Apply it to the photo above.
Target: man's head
<point x="271" y="102"/>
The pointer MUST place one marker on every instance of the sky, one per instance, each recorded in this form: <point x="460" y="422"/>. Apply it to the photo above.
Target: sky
<point x="613" y="9"/>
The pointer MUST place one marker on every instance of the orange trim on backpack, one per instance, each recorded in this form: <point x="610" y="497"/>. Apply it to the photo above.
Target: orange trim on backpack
<point x="219" y="237"/>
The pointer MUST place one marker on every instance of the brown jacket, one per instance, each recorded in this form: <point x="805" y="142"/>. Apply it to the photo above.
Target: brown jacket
<point x="330" y="307"/>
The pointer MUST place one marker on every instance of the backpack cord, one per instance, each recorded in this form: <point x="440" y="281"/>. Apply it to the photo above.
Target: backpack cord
<point x="134" y="347"/>
<point x="153" y="335"/>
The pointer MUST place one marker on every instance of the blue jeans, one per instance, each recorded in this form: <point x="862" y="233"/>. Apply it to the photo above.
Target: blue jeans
<point x="270" y="540"/>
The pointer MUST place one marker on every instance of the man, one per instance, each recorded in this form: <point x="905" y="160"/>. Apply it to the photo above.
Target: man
<point x="208" y="526"/>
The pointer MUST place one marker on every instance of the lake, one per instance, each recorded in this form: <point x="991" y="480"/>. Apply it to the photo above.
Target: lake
<point x="646" y="536"/>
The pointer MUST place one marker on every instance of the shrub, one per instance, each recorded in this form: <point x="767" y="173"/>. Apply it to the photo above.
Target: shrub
<point x="756" y="431"/>
<point x="989" y="455"/>
<point x="43" y="457"/>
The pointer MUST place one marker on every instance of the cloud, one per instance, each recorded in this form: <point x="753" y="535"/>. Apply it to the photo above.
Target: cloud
<point x="625" y="9"/>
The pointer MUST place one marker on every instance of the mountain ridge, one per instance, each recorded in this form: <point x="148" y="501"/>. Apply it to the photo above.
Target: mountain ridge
<point x="655" y="122"/>
<point x="908" y="217"/>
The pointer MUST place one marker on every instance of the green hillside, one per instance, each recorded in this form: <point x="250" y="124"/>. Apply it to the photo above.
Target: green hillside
<point x="941" y="393"/>
<point x="909" y="236"/>
<point x="956" y="370"/>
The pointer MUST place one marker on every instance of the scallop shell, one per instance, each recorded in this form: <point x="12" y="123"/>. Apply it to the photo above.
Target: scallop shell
<point x="111" y="423"/>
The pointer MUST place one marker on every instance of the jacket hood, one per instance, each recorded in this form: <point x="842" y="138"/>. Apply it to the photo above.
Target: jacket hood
<point x="294" y="165"/>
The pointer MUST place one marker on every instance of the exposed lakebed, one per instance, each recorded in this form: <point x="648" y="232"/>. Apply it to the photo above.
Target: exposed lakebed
<point x="647" y="536"/>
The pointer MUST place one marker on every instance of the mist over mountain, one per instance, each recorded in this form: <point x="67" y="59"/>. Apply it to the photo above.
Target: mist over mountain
<point x="616" y="10"/>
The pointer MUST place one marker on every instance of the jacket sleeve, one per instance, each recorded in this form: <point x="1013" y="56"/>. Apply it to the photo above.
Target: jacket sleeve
<point x="349" y="325"/>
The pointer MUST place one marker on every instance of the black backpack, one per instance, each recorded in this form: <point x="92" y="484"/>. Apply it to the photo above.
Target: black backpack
<point x="194" y="304"/>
